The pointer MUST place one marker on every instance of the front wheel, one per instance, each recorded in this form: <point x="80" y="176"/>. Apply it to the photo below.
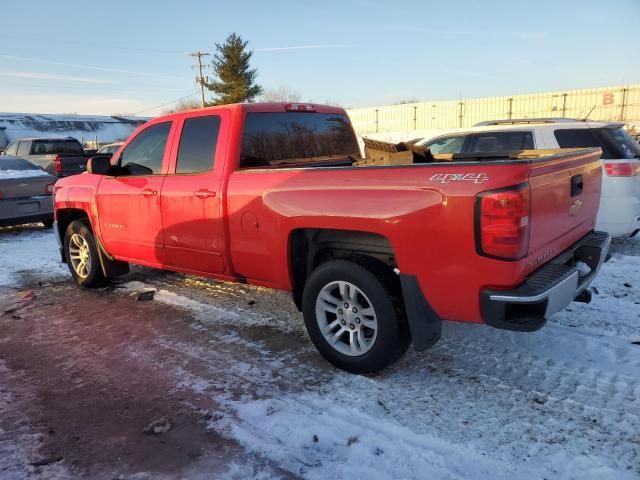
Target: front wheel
<point x="81" y="254"/>
<point x="352" y="319"/>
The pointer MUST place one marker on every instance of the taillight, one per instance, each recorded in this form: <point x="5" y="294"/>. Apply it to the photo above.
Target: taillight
<point x="622" y="169"/>
<point x="299" y="107"/>
<point x="502" y="222"/>
<point x="49" y="188"/>
<point x="57" y="163"/>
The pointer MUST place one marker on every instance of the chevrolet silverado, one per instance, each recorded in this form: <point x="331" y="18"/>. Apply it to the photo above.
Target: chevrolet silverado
<point x="376" y="254"/>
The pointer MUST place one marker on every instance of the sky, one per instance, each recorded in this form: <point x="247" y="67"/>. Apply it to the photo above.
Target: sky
<point x="132" y="57"/>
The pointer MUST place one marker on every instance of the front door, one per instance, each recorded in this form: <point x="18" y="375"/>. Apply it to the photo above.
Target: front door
<point x="191" y="203"/>
<point x="129" y="203"/>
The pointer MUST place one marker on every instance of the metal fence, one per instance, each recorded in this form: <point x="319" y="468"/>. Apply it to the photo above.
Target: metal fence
<point x="619" y="103"/>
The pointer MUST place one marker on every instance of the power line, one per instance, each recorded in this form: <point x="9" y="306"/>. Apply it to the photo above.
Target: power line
<point x="165" y="104"/>
<point x="200" y="78"/>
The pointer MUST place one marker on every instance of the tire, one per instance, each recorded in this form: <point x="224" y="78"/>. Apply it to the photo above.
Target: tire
<point x="345" y="297"/>
<point x="79" y="244"/>
<point x="47" y="224"/>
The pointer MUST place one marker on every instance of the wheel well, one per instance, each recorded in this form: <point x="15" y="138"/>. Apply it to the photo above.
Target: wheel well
<point x="67" y="215"/>
<point x="310" y="247"/>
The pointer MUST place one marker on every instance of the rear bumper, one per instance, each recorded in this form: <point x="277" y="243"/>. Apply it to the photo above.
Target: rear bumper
<point x="33" y="218"/>
<point x="26" y="210"/>
<point x="549" y="290"/>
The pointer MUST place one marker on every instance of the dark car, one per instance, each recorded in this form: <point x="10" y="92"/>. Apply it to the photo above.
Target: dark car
<point x="25" y="193"/>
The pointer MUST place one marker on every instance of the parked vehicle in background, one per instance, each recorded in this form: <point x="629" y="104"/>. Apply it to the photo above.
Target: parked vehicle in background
<point x="619" y="212"/>
<point x="25" y="193"/>
<point x="274" y="195"/>
<point x="60" y="157"/>
<point x="634" y="129"/>
<point x="109" y="149"/>
<point x="3" y="138"/>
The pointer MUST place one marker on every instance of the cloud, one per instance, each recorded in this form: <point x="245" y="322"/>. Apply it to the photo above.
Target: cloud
<point x="303" y="47"/>
<point x="91" y="67"/>
<point x="53" y="76"/>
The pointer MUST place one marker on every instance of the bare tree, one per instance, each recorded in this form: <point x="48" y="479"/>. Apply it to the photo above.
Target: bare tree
<point x="280" y="94"/>
<point x="186" y="104"/>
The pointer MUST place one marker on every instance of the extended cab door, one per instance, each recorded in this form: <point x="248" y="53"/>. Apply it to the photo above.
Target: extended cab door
<point x="129" y="203"/>
<point x="190" y="198"/>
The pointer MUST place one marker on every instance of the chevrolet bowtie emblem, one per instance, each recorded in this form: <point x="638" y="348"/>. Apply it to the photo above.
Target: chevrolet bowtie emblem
<point x="575" y="207"/>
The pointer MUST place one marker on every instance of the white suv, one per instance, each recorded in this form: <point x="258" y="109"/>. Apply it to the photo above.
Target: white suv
<point x="619" y="212"/>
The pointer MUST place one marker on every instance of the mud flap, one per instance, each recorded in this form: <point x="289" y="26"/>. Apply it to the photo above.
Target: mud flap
<point x="111" y="267"/>
<point x="424" y="323"/>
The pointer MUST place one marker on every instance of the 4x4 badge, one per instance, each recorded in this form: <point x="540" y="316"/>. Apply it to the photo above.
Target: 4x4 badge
<point x="460" y="177"/>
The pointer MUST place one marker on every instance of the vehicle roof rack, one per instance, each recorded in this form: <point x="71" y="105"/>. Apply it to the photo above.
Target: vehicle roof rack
<point x="527" y="120"/>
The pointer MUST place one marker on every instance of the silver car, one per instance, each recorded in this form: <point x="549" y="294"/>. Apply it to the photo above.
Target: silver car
<point x="25" y="193"/>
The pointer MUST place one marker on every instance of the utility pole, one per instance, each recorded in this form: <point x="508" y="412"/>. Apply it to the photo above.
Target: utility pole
<point x="200" y="78"/>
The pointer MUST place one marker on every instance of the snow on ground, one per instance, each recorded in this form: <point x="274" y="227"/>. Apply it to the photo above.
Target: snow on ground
<point x="29" y="250"/>
<point x="20" y="443"/>
<point x="563" y="402"/>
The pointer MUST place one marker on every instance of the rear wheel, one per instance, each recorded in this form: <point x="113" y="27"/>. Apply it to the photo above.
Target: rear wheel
<point x="352" y="319"/>
<point x="81" y="255"/>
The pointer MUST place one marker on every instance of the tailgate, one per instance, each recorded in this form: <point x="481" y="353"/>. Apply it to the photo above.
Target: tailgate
<point x="565" y="196"/>
<point x="72" y="164"/>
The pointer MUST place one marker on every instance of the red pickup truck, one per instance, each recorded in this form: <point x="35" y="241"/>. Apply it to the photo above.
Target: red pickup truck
<point x="376" y="256"/>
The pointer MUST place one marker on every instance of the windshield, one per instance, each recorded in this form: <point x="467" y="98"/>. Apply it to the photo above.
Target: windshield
<point x="296" y="138"/>
<point x="109" y="149"/>
<point x="54" y="147"/>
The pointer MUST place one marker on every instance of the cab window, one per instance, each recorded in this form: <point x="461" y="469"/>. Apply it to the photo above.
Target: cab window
<point x="197" y="150"/>
<point x="446" y="145"/>
<point x="144" y="154"/>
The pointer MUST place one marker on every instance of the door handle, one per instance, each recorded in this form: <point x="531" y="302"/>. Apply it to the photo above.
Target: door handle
<point x="204" y="194"/>
<point x="577" y="185"/>
<point x="149" y="193"/>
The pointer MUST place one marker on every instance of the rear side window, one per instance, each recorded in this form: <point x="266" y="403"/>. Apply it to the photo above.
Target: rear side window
<point x="272" y="139"/>
<point x="143" y="156"/>
<point x="23" y="149"/>
<point x="501" y="142"/>
<point x="615" y="142"/>
<point x="622" y="144"/>
<point x="447" y="144"/>
<point x="197" y="151"/>
<point x="56" y="147"/>
<point x="578" y="138"/>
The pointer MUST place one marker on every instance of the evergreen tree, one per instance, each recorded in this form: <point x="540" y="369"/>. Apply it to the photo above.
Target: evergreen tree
<point x="236" y="78"/>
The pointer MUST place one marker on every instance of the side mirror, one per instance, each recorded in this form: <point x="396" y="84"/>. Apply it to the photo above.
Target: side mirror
<point x="100" y="165"/>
